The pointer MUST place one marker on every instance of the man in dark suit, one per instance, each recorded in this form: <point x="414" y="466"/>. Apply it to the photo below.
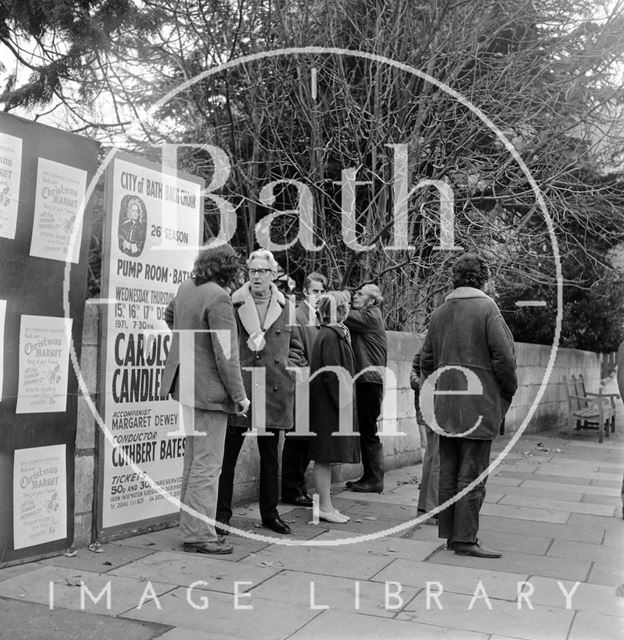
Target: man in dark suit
<point x="295" y="454"/>
<point x="203" y="306"/>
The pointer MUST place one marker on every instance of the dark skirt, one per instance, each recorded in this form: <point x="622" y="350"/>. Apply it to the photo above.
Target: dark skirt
<point x="325" y="447"/>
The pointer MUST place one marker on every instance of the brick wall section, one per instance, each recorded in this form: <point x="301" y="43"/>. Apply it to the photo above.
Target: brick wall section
<point x="399" y="450"/>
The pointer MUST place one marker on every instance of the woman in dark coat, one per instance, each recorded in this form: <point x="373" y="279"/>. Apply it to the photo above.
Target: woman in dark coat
<point x="332" y="408"/>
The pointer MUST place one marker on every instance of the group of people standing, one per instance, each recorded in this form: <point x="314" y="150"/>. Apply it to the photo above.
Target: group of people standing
<point x="267" y="339"/>
<point x="250" y="344"/>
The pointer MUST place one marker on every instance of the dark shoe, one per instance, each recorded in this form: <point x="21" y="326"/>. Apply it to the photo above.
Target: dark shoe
<point x="217" y="547"/>
<point x="450" y="545"/>
<point x="350" y="483"/>
<point x="365" y="486"/>
<point x="276" y="524"/>
<point x="476" y="550"/>
<point x="299" y="501"/>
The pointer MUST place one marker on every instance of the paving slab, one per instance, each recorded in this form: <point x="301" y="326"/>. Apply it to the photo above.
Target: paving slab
<point x="555" y="487"/>
<point x="309" y="590"/>
<point x="609" y="574"/>
<point x="522" y="543"/>
<point x="499" y="616"/>
<point x="614" y="484"/>
<point x="543" y="529"/>
<point x="181" y="633"/>
<point x="535" y="492"/>
<point x="544" y="477"/>
<point x="559" y="505"/>
<point x="215" y="611"/>
<point x="503" y="481"/>
<point x="607" y="467"/>
<point x="387" y="546"/>
<point x="582" y="596"/>
<point x="61" y="588"/>
<point x="597" y="450"/>
<point x="594" y="626"/>
<point x="423" y="532"/>
<point x="333" y="561"/>
<point x="113" y="555"/>
<point x="614" y="501"/>
<point x="410" y="499"/>
<point x="614" y="538"/>
<point x="363" y="525"/>
<point x="29" y="621"/>
<point x="18" y="570"/>
<point x="565" y="569"/>
<point x="340" y="625"/>
<point x="383" y="510"/>
<point x="567" y="473"/>
<point x="502" y="584"/>
<point x="554" y="516"/>
<point x="593" y="552"/>
<point x="187" y="568"/>
<point x="169" y="540"/>
<point x="608" y="524"/>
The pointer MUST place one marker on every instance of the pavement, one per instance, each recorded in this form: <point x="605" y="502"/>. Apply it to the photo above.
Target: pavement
<point x="553" y="508"/>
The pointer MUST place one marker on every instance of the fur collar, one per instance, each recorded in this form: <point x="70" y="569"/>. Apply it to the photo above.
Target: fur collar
<point x="246" y="308"/>
<point x="467" y="292"/>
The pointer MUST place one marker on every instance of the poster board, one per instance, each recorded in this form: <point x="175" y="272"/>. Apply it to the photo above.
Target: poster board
<point x="34" y="332"/>
<point x="152" y="231"/>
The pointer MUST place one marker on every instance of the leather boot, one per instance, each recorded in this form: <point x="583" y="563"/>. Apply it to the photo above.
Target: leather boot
<point x="372" y="478"/>
<point x="366" y="472"/>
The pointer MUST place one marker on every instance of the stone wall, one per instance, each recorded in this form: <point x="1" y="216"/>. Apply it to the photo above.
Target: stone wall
<point x="399" y="450"/>
<point x="552" y="409"/>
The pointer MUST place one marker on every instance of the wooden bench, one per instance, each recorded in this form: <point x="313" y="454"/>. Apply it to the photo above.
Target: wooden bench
<point x="589" y="410"/>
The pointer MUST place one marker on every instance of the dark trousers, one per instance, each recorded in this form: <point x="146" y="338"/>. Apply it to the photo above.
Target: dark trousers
<point x="269" y="472"/>
<point x="461" y="461"/>
<point x="295" y="460"/>
<point x="368" y="397"/>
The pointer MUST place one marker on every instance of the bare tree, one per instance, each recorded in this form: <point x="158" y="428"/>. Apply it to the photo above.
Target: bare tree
<point x="328" y="126"/>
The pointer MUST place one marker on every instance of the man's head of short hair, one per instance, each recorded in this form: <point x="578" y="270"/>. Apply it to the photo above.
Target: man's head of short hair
<point x="315" y="276"/>
<point x="374" y="292"/>
<point x="264" y="254"/>
<point x="470" y="270"/>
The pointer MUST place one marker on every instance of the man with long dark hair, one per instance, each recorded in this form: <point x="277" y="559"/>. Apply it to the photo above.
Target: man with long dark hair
<point x="203" y="306"/>
<point x="469" y="369"/>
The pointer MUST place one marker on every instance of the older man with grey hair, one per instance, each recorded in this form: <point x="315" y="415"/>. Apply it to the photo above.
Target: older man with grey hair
<point x="269" y="343"/>
<point x="368" y="337"/>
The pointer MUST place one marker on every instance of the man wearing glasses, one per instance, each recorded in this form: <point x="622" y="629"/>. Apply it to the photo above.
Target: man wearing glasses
<point x="269" y="342"/>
